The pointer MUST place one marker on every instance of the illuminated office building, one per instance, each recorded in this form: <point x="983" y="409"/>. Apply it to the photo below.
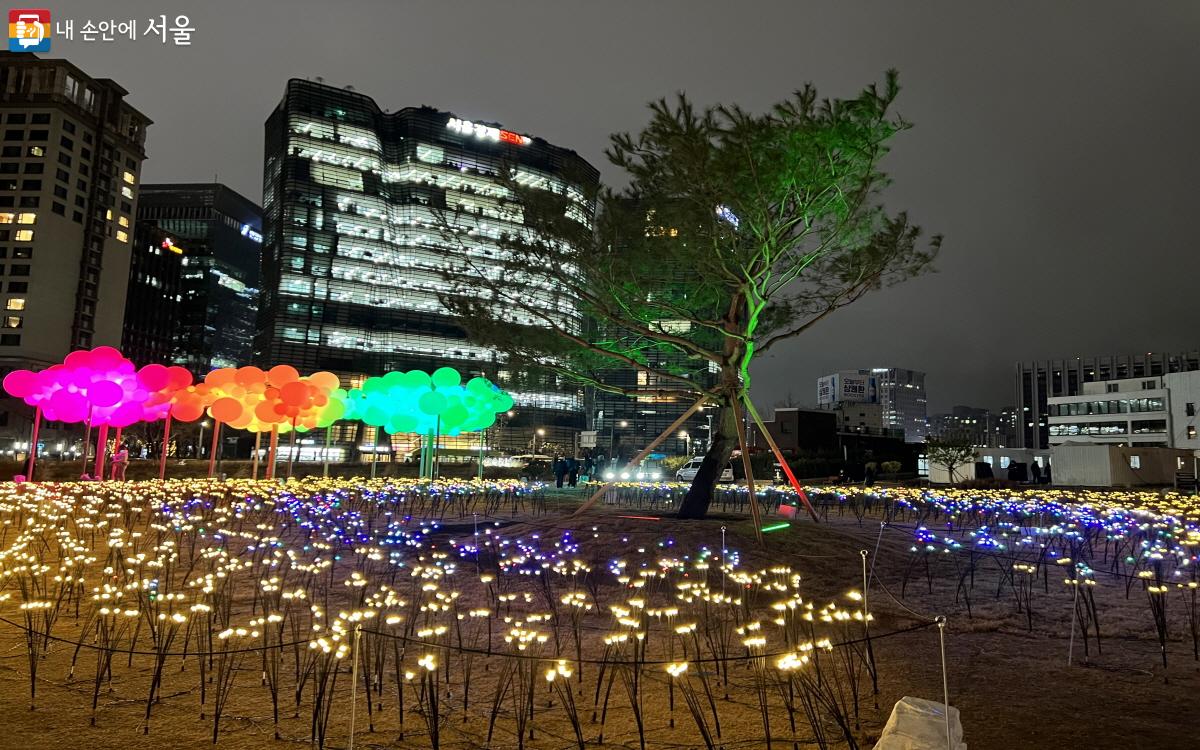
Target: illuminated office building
<point x="219" y="234"/>
<point x="357" y="206"/>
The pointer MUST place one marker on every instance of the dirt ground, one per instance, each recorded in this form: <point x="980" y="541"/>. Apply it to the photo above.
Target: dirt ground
<point x="1012" y="685"/>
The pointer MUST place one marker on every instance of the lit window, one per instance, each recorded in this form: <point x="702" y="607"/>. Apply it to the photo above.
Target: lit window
<point x="123" y="221"/>
<point x="37" y="151"/>
<point x="122" y="236"/>
<point x="26" y="218"/>
<point x="125" y="191"/>
<point x="7" y="218"/>
<point x="1135" y="462"/>
<point x="128" y="177"/>
<point x="108" y="214"/>
<point x="13" y="321"/>
<point x="16" y="303"/>
<point x="24" y="235"/>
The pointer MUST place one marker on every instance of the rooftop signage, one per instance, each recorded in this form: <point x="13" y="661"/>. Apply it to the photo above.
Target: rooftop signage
<point x="466" y="127"/>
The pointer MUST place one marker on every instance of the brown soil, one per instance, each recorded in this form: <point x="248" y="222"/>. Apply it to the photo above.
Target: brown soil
<point x="1012" y="685"/>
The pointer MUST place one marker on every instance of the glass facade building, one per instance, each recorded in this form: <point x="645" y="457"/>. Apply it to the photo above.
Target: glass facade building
<point x="220" y="235"/>
<point x="365" y="211"/>
<point x="153" y="296"/>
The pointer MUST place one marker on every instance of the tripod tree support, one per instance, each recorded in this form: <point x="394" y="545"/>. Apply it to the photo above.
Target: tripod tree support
<point x="779" y="456"/>
<point x="755" y="512"/>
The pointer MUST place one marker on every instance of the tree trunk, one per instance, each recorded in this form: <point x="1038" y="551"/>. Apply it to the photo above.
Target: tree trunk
<point x="724" y="440"/>
<point x="724" y="437"/>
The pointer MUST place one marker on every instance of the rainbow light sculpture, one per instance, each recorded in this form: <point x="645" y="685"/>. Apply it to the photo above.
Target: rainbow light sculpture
<point x="102" y="388"/>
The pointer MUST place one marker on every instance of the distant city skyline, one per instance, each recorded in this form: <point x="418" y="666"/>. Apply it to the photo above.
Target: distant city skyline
<point x="1032" y="141"/>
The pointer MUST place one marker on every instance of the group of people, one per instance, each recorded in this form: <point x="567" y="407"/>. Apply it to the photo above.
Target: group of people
<point x="568" y="469"/>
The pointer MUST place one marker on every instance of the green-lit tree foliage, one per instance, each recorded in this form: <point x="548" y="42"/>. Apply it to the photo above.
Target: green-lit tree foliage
<point x="736" y="232"/>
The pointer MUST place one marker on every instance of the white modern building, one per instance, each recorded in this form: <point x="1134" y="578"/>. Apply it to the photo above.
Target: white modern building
<point x="1158" y="411"/>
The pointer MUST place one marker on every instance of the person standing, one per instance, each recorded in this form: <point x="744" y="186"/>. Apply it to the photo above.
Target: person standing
<point x="120" y="461"/>
<point x="560" y="471"/>
<point x="572" y="471"/>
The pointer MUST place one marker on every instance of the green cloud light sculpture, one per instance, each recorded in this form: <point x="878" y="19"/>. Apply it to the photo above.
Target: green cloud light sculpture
<point x="417" y="402"/>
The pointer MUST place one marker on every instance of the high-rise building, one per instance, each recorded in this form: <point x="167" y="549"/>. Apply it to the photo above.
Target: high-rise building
<point x="71" y="152"/>
<point x="153" y="297"/>
<point x="220" y="234"/>
<point x="70" y="158"/>
<point x="364" y="210"/>
<point x="899" y="393"/>
<point x="1038" y="381"/>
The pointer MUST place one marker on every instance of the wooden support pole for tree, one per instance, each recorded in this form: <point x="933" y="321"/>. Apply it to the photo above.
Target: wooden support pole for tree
<point x="645" y="452"/>
<point x="755" y="514"/>
<point x="166" y="442"/>
<point x="779" y="455"/>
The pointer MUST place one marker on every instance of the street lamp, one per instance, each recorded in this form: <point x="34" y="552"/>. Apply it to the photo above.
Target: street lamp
<point x="540" y="433"/>
<point x="687" y="439"/>
<point x="612" y="430"/>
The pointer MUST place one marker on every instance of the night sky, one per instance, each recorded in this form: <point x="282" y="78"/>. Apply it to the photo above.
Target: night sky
<point x="1055" y="144"/>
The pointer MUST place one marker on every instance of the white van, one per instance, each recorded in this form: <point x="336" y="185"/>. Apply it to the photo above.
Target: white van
<point x="688" y="471"/>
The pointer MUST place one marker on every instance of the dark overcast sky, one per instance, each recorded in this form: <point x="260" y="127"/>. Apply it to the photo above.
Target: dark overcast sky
<point x="1055" y="143"/>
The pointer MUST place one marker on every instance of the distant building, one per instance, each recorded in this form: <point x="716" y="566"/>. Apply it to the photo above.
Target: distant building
<point x="220" y="233"/>
<point x="982" y="427"/>
<point x="1036" y="382"/>
<point x="1157" y="411"/>
<point x="153" y="297"/>
<point x="795" y="430"/>
<point x="899" y="393"/>
<point x="817" y="434"/>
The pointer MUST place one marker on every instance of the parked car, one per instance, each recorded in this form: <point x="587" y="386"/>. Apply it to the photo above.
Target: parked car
<point x="688" y="471"/>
